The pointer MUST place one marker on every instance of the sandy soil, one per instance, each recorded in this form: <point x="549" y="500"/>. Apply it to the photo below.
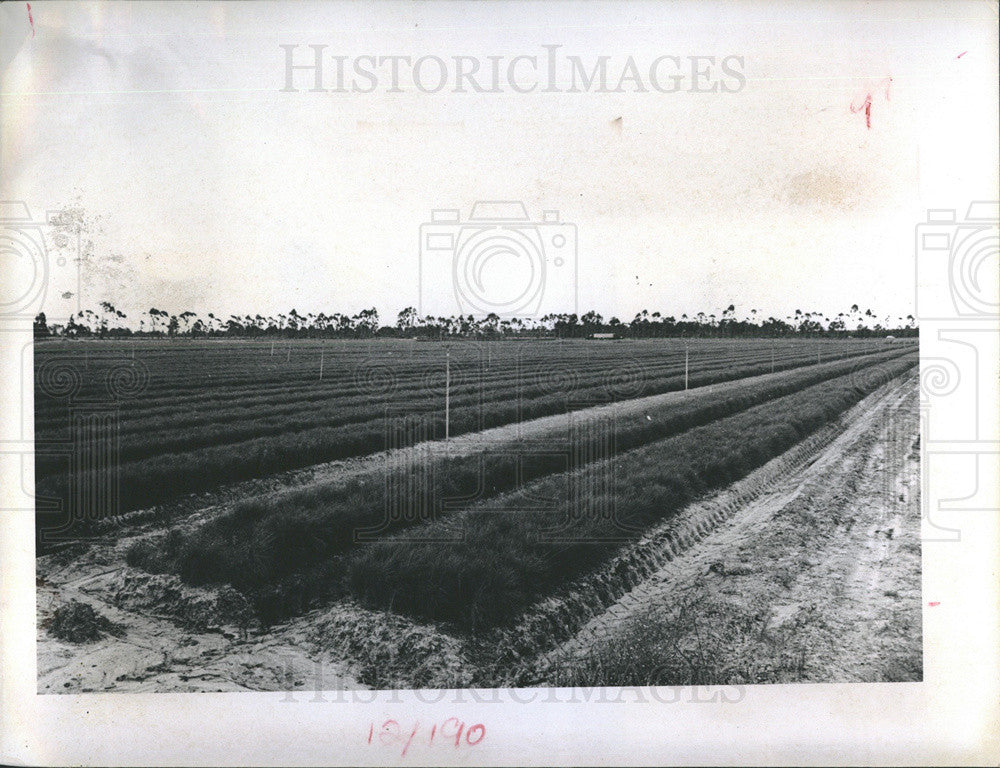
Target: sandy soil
<point x="811" y="531"/>
<point x="159" y="653"/>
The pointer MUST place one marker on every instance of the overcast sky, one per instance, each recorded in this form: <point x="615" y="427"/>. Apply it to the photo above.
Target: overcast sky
<point x="206" y="188"/>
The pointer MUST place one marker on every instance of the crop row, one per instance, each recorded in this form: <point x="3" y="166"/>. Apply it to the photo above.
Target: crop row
<point x="192" y="371"/>
<point x="184" y="431"/>
<point x="287" y="548"/>
<point x="505" y="557"/>
<point x="191" y="379"/>
<point x="162" y="476"/>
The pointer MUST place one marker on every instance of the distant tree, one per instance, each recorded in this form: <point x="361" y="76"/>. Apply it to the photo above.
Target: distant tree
<point x="366" y="322"/>
<point x="107" y="308"/>
<point x="186" y="318"/>
<point x="40" y="328"/>
<point x="155" y="315"/>
<point x="406" y="319"/>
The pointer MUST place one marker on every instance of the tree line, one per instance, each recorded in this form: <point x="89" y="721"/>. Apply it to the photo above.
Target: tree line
<point x="109" y="322"/>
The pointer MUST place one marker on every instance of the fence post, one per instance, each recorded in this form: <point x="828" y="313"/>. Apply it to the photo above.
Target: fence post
<point x="447" y="393"/>
<point x="686" y="356"/>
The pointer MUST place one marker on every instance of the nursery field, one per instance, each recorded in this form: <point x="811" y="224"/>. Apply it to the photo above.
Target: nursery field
<point x="472" y="533"/>
<point x="193" y="415"/>
<point x="573" y="474"/>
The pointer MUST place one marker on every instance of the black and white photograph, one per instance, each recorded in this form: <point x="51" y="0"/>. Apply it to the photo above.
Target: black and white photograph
<point x="538" y="348"/>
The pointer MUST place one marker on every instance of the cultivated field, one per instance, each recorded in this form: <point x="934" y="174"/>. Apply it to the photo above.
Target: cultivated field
<point x="197" y="414"/>
<point x="564" y="459"/>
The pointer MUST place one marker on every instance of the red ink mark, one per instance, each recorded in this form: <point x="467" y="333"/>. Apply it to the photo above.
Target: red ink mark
<point x="961" y="54"/>
<point x="934" y="603"/>
<point x="391" y="735"/>
<point x="866" y="105"/>
<point x="31" y="21"/>
<point x="412" y="734"/>
<point x="482" y="734"/>
<point x="390" y="732"/>
<point x="458" y="732"/>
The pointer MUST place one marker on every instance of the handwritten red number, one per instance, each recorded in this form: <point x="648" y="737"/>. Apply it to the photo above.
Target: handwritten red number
<point x="389" y="735"/>
<point x="458" y="732"/>
<point x="482" y="734"/>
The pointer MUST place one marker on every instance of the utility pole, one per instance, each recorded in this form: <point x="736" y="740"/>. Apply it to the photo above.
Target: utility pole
<point x="288" y="356"/>
<point x="322" y="357"/>
<point x="687" y="352"/>
<point x="772" y="355"/>
<point x="272" y="347"/>
<point x="447" y="393"/>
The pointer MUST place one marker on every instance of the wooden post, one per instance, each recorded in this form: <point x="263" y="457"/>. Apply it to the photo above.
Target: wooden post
<point x="272" y="347"/>
<point x="322" y="357"/>
<point x="447" y="393"/>
<point x="686" y="355"/>
<point x="772" y="355"/>
<point x="289" y="355"/>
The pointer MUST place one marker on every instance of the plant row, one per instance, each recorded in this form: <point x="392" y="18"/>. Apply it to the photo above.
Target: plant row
<point x="505" y="556"/>
<point x="287" y="549"/>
